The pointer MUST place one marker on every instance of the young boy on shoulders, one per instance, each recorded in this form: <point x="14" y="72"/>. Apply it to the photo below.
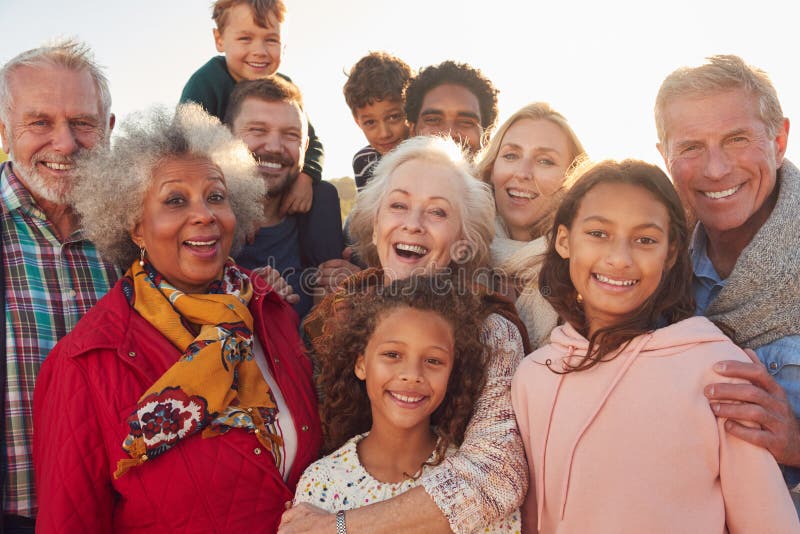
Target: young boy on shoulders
<point x="248" y="33"/>
<point x="375" y="91"/>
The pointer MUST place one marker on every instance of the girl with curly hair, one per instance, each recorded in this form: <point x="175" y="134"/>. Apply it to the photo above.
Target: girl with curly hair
<point x="618" y="433"/>
<point x="401" y="379"/>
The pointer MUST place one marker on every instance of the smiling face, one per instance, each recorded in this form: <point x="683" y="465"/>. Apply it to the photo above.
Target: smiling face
<point x="55" y="114"/>
<point x="618" y="249"/>
<point x="187" y="223"/>
<point x="275" y="132"/>
<point x="452" y="110"/>
<point x="418" y="222"/>
<point x="406" y="365"/>
<point x="533" y="158"/>
<point x="722" y="160"/>
<point x="383" y="123"/>
<point x="251" y="52"/>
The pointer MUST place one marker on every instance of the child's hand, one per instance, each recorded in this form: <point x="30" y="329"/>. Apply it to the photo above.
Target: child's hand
<point x="298" y="199"/>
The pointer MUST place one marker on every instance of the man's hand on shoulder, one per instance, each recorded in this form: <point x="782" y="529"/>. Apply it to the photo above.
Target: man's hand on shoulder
<point x="758" y="412"/>
<point x="334" y="272"/>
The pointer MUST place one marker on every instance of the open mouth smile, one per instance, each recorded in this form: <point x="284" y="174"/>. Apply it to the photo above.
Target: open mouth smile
<point x="407" y="399"/>
<point x="614" y="282"/>
<point x="716" y="195"/>
<point x="407" y="250"/>
<point x="203" y="247"/>
<point x="521" y="194"/>
<point x="271" y="165"/>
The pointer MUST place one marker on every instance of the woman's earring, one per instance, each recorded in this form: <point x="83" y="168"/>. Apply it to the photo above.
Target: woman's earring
<point x="578" y="297"/>
<point x="141" y="257"/>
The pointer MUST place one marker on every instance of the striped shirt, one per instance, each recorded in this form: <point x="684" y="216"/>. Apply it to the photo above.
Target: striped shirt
<point x="364" y="163"/>
<point x="49" y="286"/>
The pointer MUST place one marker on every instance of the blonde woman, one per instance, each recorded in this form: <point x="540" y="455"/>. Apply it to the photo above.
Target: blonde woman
<point x="526" y="163"/>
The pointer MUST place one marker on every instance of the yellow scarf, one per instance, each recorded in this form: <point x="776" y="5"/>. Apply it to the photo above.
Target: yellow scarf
<point x="216" y="385"/>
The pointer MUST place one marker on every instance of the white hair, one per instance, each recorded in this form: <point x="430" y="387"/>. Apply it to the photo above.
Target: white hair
<point x="474" y="200"/>
<point x="69" y="54"/>
<point x="109" y="196"/>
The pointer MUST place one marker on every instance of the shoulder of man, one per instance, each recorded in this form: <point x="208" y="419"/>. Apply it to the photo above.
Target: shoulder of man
<point x="320" y="230"/>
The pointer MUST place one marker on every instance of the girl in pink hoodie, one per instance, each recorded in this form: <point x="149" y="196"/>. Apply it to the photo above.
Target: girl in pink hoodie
<point x="618" y="434"/>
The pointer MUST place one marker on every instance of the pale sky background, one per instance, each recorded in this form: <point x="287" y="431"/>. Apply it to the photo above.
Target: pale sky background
<point x="599" y="63"/>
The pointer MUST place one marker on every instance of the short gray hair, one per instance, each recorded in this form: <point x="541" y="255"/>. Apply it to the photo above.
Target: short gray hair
<point x="476" y="202"/>
<point x="109" y="196"/>
<point x="70" y="54"/>
<point x="720" y="73"/>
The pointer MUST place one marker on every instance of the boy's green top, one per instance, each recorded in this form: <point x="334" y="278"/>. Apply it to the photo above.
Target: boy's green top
<point x="211" y="86"/>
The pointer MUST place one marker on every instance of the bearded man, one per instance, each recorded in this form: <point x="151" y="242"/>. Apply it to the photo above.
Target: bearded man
<point x="54" y="104"/>
<point x="268" y="116"/>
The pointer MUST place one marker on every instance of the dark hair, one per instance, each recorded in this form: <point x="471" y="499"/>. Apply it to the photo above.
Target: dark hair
<point x="272" y="89"/>
<point x="672" y="301"/>
<point x="345" y="408"/>
<point x="261" y="11"/>
<point x="457" y="74"/>
<point x="377" y="76"/>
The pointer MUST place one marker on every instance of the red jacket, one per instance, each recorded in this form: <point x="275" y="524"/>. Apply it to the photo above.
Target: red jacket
<point x="89" y="385"/>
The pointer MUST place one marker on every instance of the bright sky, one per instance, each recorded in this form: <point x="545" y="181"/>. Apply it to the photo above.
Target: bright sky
<point x="599" y="63"/>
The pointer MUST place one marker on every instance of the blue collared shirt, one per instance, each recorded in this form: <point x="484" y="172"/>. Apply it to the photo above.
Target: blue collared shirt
<point x="781" y="357"/>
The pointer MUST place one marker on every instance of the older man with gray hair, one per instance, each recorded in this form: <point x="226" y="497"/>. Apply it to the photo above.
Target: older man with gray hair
<point x="54" y="103"/>
<point x="723" y="137"/>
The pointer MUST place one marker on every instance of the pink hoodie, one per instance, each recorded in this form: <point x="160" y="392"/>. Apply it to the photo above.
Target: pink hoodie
<point x="632" y="446"/>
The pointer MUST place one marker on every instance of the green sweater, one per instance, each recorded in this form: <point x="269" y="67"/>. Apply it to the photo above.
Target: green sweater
<point x="211" y="86"/>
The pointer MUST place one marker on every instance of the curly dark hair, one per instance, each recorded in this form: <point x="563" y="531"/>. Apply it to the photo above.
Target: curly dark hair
<point x="672" y="301"/>
<point x="377" y="76"/>
<point x="457" y="74"/>
<point x="345" y="408"/>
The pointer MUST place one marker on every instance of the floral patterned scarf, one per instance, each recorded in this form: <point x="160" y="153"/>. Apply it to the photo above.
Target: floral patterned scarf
<point x="216" y="385"/>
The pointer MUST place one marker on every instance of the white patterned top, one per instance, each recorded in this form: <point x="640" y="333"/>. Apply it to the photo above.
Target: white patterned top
<point x="340" y="482"/>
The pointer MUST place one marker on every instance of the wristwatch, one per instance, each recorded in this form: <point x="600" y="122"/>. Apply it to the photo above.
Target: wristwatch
<point x="341" y="527"/>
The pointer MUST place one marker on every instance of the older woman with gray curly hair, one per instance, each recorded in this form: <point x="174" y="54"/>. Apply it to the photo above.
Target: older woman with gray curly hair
<point x="186" y="346"/>
<point x="425" y="213"/>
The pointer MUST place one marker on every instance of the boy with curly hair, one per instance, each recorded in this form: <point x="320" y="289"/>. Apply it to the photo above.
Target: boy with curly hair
<point x="375" y="90"/>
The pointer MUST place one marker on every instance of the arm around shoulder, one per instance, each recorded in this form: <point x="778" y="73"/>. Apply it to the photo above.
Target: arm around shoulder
<point x="488" y="477"/>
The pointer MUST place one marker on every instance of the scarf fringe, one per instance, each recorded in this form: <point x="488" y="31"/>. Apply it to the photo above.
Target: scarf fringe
<point x="139" y="451"/>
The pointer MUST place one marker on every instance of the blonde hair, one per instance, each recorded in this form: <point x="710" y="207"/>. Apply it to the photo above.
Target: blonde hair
<point x="476" y="203"/>
<point x="720" y="73"/>
<point x="533" y="111"/>
<point x="109" y="197"/>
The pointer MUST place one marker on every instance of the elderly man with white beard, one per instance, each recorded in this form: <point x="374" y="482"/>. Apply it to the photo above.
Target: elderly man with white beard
<point x="54" y="104"/>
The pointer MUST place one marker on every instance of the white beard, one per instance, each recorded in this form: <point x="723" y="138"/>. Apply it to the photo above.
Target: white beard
<point x="41" y="187"/>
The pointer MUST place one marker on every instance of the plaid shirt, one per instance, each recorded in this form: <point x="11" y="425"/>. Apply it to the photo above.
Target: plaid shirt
<point x="49" y="286"/>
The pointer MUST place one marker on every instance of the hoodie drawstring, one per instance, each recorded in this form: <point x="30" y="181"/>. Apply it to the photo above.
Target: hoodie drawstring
<point x="623" y="369"/>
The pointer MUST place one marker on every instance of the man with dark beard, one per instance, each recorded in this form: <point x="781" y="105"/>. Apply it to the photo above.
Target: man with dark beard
<point x="54" y="104"/>
<point x="268" y="116"/>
